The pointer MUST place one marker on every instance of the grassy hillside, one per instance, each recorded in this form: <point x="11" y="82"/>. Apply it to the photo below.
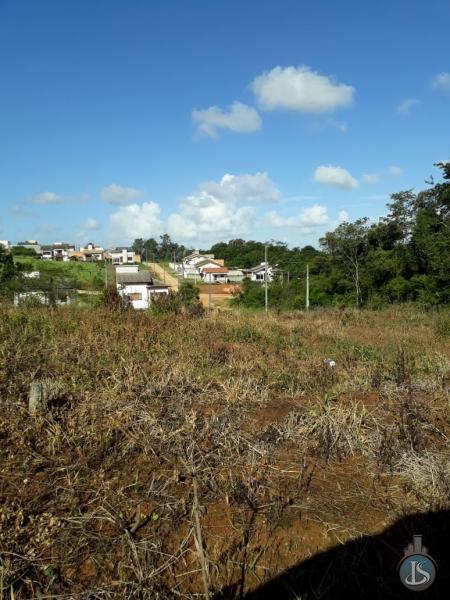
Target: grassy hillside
<point x="229" y="433"/>
<point x="88" y="276"/>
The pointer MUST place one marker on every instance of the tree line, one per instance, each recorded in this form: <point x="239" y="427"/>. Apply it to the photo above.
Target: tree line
<point x="405" y="257"/>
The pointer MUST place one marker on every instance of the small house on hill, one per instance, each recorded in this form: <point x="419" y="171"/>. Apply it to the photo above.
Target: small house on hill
<point x="123" y="255"/>
<point x="92" y="253"/>
<point x="57" y="251"/>
<point x="139" y="287"/>
<point x="207" y="263"/>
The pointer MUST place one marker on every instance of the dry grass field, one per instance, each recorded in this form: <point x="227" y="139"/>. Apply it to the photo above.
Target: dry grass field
<point x="185" y="457"/>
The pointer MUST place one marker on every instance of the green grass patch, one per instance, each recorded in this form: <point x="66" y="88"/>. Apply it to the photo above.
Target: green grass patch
<point x="85" y="275"/>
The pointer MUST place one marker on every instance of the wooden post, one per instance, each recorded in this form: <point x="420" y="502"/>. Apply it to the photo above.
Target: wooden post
<point x="35" y="397"/>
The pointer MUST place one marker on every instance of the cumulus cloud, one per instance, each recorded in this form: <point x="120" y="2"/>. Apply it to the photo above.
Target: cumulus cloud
<point x="136" y="220"/>
<point x="441" y="81"/>
<point x="120" y="196"/>
<point x="395" y="171"/>
<point x="335" y="176"/>
<point x="301" y="89"/>
<point x="47" y="198"/>
<point x="218" y="209"/>
<point x="407" y="105"/>
<point x="91" y="224"/>
<point x="312" y="216"/>
<point x="371" y="178"/>
<point x="239" y="117"/>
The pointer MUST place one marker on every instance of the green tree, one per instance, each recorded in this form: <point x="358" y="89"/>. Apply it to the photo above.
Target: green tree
<point x="347" y="245"/>
<point x="8" y="270"/>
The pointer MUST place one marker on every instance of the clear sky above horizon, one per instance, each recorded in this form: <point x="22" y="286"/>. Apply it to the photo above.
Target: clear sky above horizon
<point x="212" y="120"/>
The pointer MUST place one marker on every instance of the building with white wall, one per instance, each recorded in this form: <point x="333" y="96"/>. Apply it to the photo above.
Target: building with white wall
<point x="123" y="255"/>
<point x="138" y="288"/>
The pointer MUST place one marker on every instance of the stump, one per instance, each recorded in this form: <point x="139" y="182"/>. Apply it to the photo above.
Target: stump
<point x="35" y="397"/>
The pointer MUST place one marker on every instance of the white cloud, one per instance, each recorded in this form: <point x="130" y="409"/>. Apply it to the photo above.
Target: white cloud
<point x="407" y="105"/>
<point x="119" y="195"/>
<point x="219" y="209"/>
<point x="312" y="216"/>
<point x="136" y="220"/>
<point x="47" y="198"/>
<point x="91" y="224"/>
<point x="239" y="117"/>
<point x="395" y="171"/>
<point x="335" y="176"/>
<point x="441" y="81"/>
<point x="371" y="178"/>
<point x="300" y="88"/>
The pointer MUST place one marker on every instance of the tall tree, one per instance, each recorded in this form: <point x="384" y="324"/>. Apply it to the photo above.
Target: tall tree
<point x="347" y="244"/>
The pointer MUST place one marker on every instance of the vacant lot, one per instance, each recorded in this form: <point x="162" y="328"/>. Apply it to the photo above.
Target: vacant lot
<point x="177" y="455"/>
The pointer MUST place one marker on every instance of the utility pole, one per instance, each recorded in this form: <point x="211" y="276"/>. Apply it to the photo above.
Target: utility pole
<point x="266" y="292"/>
<point x="307" y="287"/>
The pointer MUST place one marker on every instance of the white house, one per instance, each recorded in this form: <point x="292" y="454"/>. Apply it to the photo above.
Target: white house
<point x="6" y="244"/>
<point x="215" y="275"/>
<point x="92" y="253"/>
<point x="259" y="273"/>
<point x="123" y="255"/>
<point x="208" y="263"/>
<point x="57" y="251"/>
<point x="139" y="288"/>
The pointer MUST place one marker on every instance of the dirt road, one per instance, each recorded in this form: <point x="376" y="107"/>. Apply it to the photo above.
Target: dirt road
<point x="163" y="275"/>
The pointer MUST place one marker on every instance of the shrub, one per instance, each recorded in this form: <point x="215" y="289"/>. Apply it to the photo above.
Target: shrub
<point x="112" y="300"/>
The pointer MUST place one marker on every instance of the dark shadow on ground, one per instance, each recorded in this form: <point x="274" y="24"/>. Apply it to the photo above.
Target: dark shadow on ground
<point x="363" y="569"/>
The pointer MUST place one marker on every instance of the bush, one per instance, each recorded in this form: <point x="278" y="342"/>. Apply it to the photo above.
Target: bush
<point x="22" y="251"/>
<point x="163" y="304"/>
<point x="176" y="303"/>
<point x="112" y="300"/>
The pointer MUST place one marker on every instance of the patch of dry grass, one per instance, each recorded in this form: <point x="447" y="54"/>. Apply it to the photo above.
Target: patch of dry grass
<point x="176" y="453"/>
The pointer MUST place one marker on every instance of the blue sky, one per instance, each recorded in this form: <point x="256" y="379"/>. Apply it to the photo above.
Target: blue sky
<point x="212" y="120"/>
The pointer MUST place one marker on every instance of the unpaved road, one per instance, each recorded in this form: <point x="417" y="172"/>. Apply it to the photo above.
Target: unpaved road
<point x="163" y="275"/>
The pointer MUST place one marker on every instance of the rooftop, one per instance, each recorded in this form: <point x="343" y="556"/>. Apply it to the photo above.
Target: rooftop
<point x="141" y="277"/>
<point x="206" y="262"/>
